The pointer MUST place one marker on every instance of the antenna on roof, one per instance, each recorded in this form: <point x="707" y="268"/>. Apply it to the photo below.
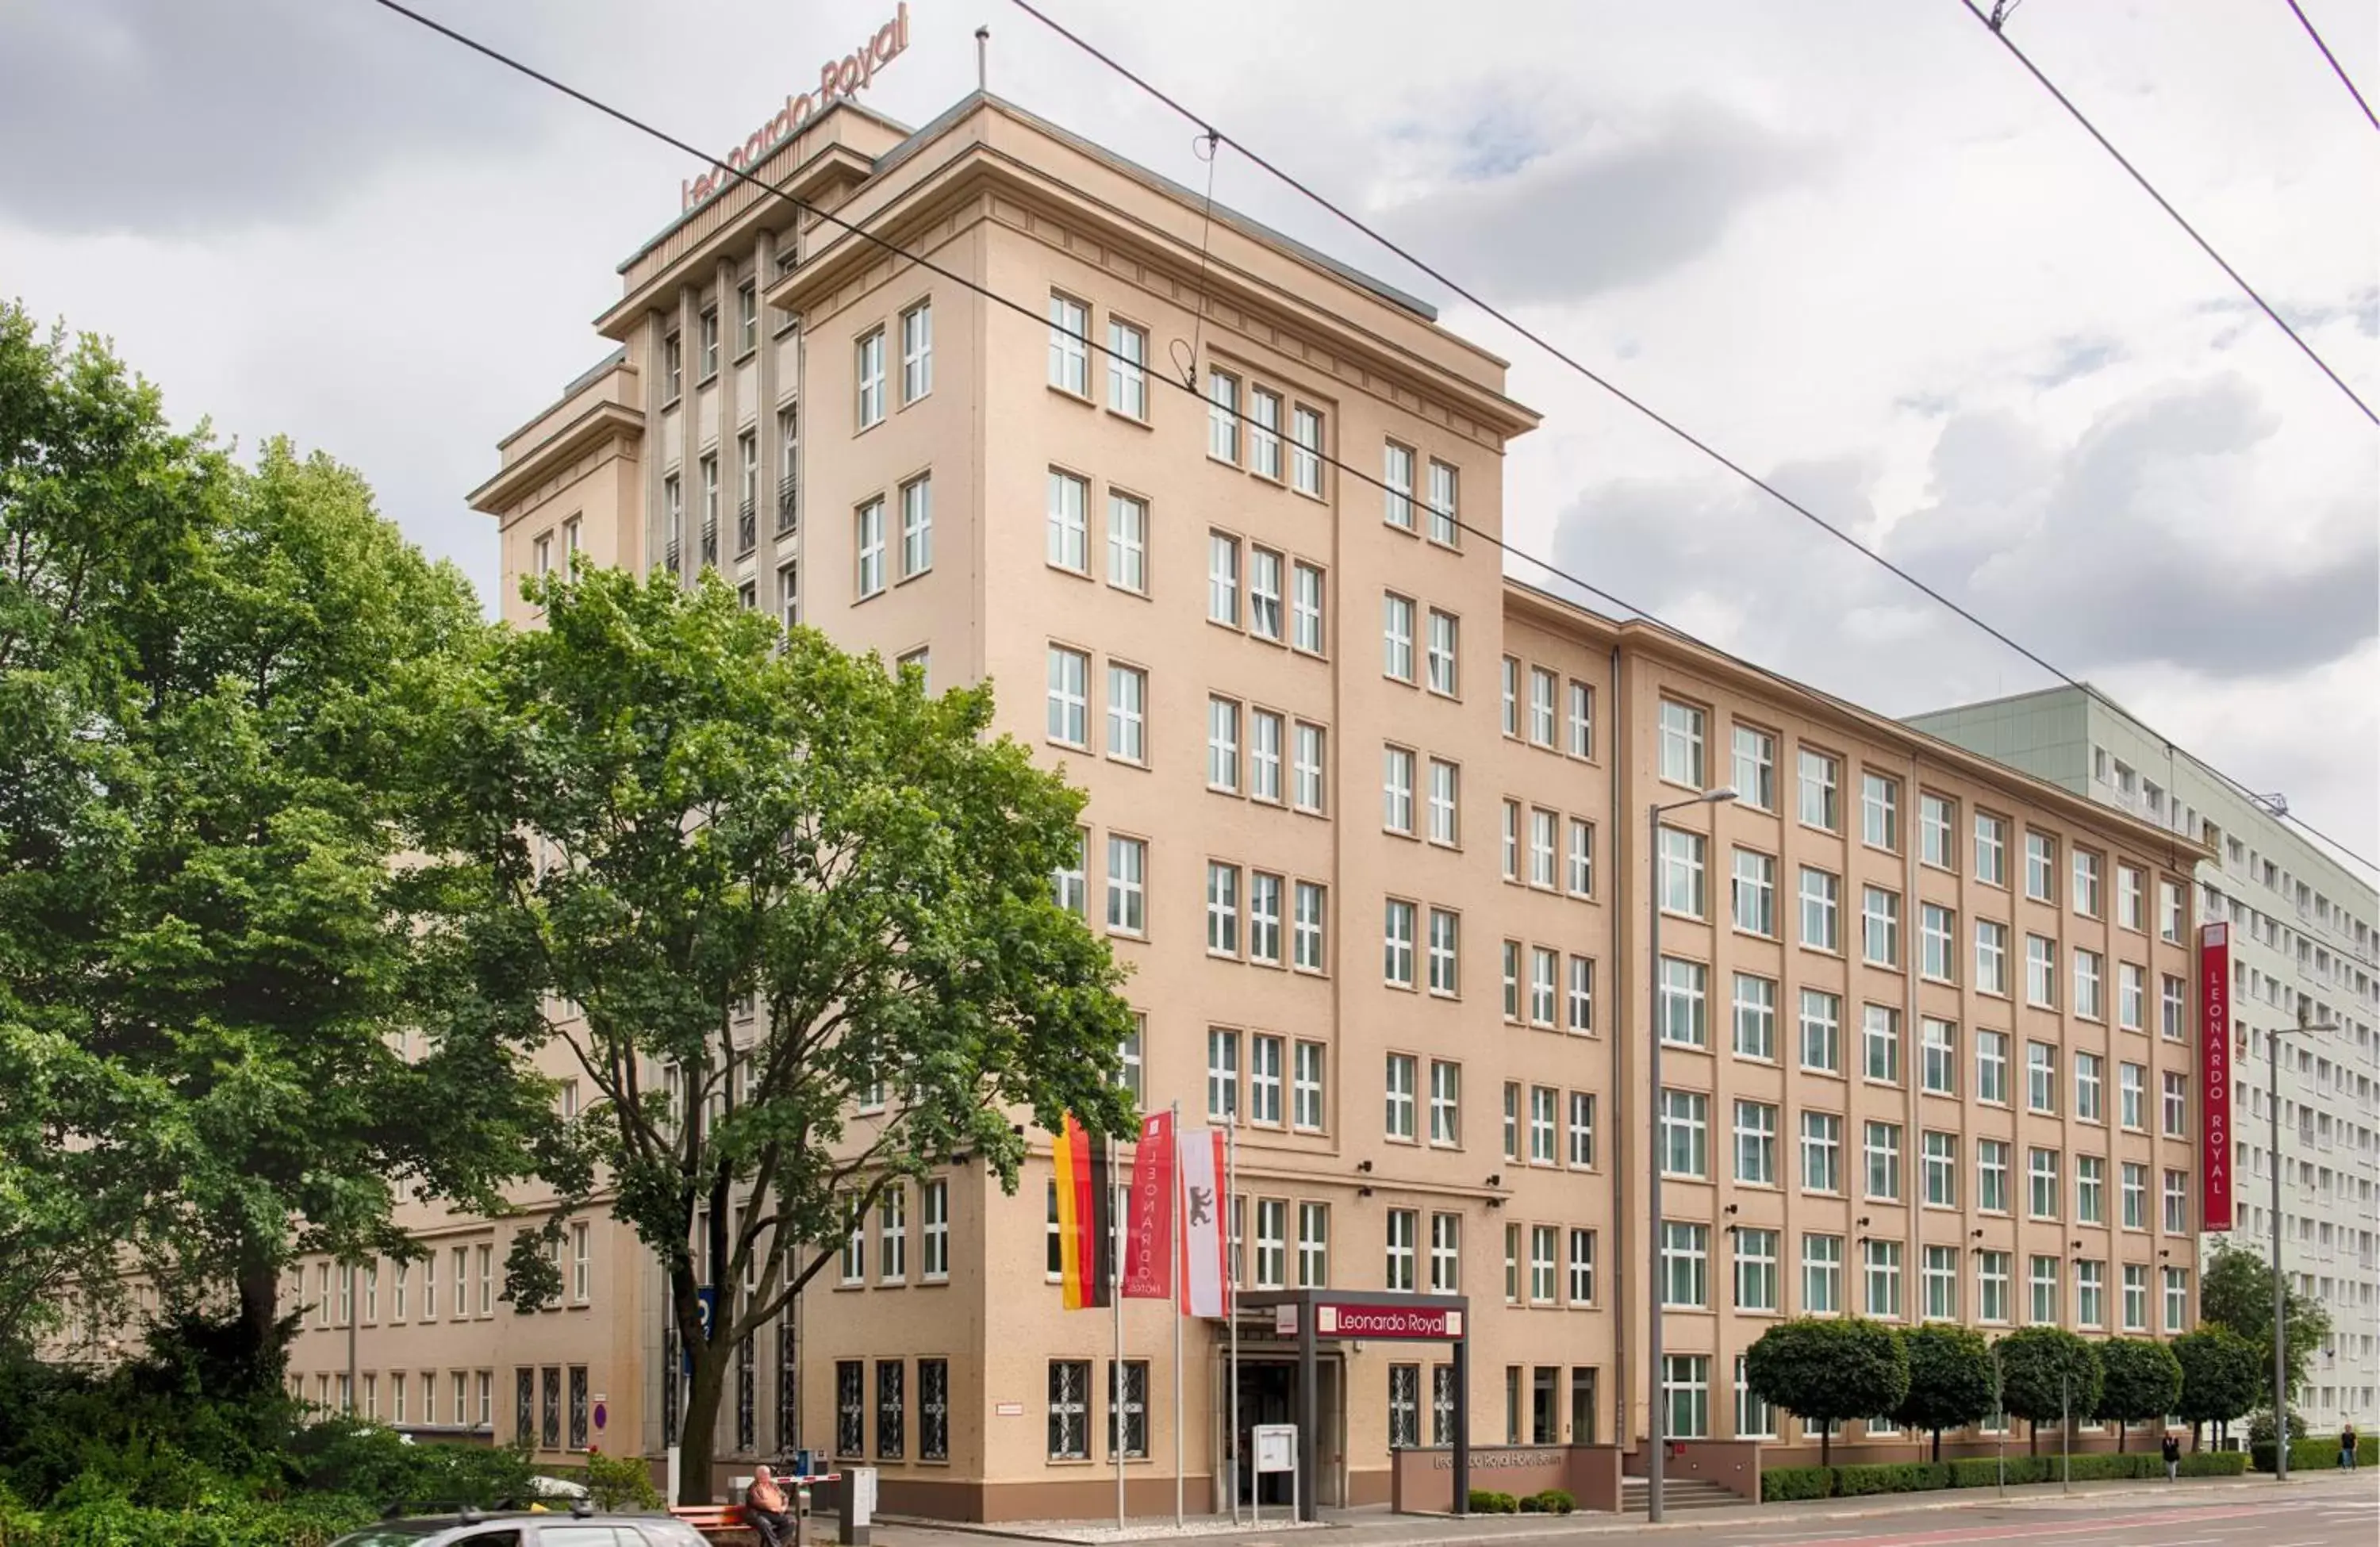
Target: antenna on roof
<point x="982" y="58"/>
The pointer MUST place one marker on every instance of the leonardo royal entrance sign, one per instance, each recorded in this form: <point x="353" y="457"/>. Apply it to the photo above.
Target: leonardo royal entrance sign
<point x="837" y="79"/>
<point x="2215" y="1075"/>
<point x="1437" y="1323"/>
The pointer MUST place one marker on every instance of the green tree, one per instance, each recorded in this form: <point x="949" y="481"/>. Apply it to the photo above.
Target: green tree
<point x="2142" y="1380"/>
<point x="209" y="974"/>
<point x="1949" y="1379"/>
<point x="2222" y="1374"/>
<point x="790" y="915"/>
<point x="2047" y="1374"/>
<point x="2236" y="1291"/>
<point x="1824" y="1370"/>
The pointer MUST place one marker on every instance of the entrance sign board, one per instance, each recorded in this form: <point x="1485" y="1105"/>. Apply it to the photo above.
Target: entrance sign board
<point x="1425" y="1323"/>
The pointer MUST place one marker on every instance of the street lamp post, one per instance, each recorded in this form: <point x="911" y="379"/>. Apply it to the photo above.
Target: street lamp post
<point x="2280" y="1285"/>
<point x="1654" y="1426"/>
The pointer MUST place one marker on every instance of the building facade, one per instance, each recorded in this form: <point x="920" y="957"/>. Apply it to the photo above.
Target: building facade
<point x="2304" y="930"/>
<point x="1368" y="821"/>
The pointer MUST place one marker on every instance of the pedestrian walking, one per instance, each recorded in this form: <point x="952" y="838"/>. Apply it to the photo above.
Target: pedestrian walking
<point x="2172" y="1458"/>
<point x="2347" y="1448"/>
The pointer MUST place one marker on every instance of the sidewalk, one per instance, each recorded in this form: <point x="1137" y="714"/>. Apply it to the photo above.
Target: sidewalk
<point x="1374" y="1527"/>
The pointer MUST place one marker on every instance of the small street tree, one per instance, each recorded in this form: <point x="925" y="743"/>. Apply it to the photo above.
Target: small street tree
<point x="1949" y="1379"/>
<point x="2236" y="1292"/>
<point x="1824" y="1370"/>
<point x="2142" y="1380"/>
<point x="2047" y="1375"/>
<point x="2222" y="1374"/>
<point x="790" y="916"/>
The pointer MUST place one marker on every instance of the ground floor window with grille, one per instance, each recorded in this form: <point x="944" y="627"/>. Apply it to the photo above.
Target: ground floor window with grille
<point x="1405" y="1405"/>
<point x="525" y="1406"/>
<point x="670" y="1397"/>
<point x="789" y="1408"/>
<point x="892" y="1410"/>
<point x="747" y="1405"/>
<point x="1070" y="1418"/>
<point x="1128" y="1406"/>
<point x="1685" y="1379"/>
<point x="548" y="1418"/>
<point x="933" y="1409"/>
<point x="579" y="1407"/>
<point x="850" y="1407"/>
<point x="1441" y="1404"/>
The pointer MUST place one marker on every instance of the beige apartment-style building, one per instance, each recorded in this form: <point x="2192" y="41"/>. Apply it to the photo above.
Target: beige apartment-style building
<point x="1368" y="821"/>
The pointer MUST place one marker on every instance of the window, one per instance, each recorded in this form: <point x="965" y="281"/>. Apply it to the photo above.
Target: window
<point x="917" y="527"/>
<point x="1582" y="1130"/>
<point x="1512" y="697"/>
<point x="2136" y="1297"/>
<point x="2176" y="1299"/>
<point x="1822" y="1275"/>
<point x="1941" y="1284"/>
<point x="1681" y="744"/>
<point x="1544" y="965"/>
<point x="1445" y="1102"/>
<point x="1879" y="813"/>
<point x="708" y="325"/>
<point x="1992" y="1286"/>
<point x="1272" y="1243"/>
<point x="2132" y="996"/>
<point x="1305" y="1087"/>
<point x="1127" y="369"/>
<point x="1397" y="636"/>
<point x="1399" y="1122"/>
<point x="2135" y="1188"/>
<point x="1755" y="1143"/>
<point x="1222" y="1075"/>
<point x="2091" y="1293"/>
<point x="1880" y="1043"/>
<point x="1264" y="594"/>
<point x="1306" y="767"/>
<point x="1581" y="1267"/>
<point x="2169" y="912"/>
<point x="2170" y="1008"/>
<point x="1821" y="926"/>
<point x="2041" y="1176"/>
<point x="1991" y="850"/>
<point x="1070" y="1383"/>
<point x="1681" y="872"/>
<point x="2040" y="1077"/>
<point x="1222" y="909"/>
<point x="1940" y="1158"/>
<point x="1880" y="926"/>
<point x="1127" y="544"/>
<point x="1936" y="818"/>
<point x="672" y="358"/>
<point x="1223" y="417"/>
<point x="1397" y="482"/>
<point x="2090" y="1088"/>
<point x="1581" y="720"/>
<point x="1264" y="433"/>
<point x="1070" y="332"/>
<point x="1754" y="1419"/>
<point x="1511" y="1121"/>
<point x="1754" y="893"/>
<point x="1992" y="1175"/>
<point x="1542" y="824"/>
<point x="1069" y="501"/>
<point x="1580" y="1016"/>
<point x="2087" y="900"/>
<point x="1822" y="1153"/>
<point x="1541" y="1125"/>
<point x="1937" y="928"/>
<point x="1684" y="1013"/>
<point x="1127" y="712"/>
<point x="1755" y="1269"/>
<point x="917" y="350"/>
<point x="1822" y="1016"/>
<point x="1264" y="1080"/>
<point x="1685" y="1383"/>
<point x="1224" y="745"/>
<point x="1881" y="1147"/>
<point x="1445" y="802"/>
<point x="892" y="1235"/>
<point x="1685" y="1133"/>
<point x="1821" y="778"/>
<point x="1940" y="1074"/>
<point x="2040" y="971"/>
<point x="2177" y="1104"/>
<point x="1305" y="608"/>
<point x="2040" y="867"/>
<point x="1305" y="927"/>
<point x="1069" y="710"/>
<point x="1305" y="452"/>
<point x="2131" y="1096"/>
<point x="1882" y="1260"/>
<point x="2132" y="898"/>
<point x="1756" y="768"/>
<point x="1542" y="1241"/>
<point x="1686" y="1265"/>
<point x="869" y="547"/>
<point x="870" y="379"/>
<point x="582" y="1268"/>
<point x="1542" y="683"/>
<point x="1397" y="942"/>
<point x="1755" y="1018"/>
<point x="1444" y="525"/>
<point x="2088" y="1002"/>
<point x="1314" y="1246"/>
<point x="1446" y="1254"/>
<point x="1444" y="634"/>
<point x="1993" y="1067"/>
<point x="1264" y="918"/>
<point x="1991" y="956"/>
<point x="1403" y="1229"/>
<point x="1397" y="789"/>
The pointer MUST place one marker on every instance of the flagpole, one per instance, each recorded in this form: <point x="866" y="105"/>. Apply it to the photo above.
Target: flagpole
<point x="1231" y="1295"/>
<point x="1176" y="1252"/>
<point x="1116" y="1384"/>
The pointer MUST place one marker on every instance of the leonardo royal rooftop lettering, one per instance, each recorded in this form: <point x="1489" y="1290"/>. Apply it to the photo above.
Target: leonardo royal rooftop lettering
<point x="837" y="79"/>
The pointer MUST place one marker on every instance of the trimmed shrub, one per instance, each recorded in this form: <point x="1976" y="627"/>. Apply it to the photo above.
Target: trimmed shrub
<point x="1891" y="1477"/>
<point x="1484" y="1500"/>
<point x="1780" y="1483"/>
<point x="1551" y="1500"/>
<point x="620" y="1483"/>
<point x="1530" y="1504"/>
<point x="2315" y="1452"/>
<point x="2213" y="1463"/>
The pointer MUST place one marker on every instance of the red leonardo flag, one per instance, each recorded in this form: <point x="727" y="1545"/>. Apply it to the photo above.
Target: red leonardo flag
<point x="2214" y="1076"/>
<point x="1148" y="1228"/>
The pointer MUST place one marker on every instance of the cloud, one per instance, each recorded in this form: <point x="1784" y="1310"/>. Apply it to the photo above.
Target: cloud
<point x="165" y="117"/>
<point x="1610" y="209"/>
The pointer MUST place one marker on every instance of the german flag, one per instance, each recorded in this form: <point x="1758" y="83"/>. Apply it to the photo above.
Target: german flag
<point x="1085" y="1199"/>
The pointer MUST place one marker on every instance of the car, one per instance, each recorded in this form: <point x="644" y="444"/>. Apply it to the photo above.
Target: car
<point x="580" y="1528"/>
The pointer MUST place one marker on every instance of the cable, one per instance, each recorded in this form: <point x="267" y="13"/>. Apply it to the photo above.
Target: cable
<point x="1190" y="389"/>
<point x="2146" y="187"/>
<point x="1557" y="352"/>
<point x="2336" y="67"/>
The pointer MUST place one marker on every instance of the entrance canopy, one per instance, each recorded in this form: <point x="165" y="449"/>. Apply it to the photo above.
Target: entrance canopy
<point x="1317" y="1316"/>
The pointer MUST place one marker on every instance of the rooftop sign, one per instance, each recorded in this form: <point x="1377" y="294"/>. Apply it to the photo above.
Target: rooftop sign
<point x="837" y="79"/>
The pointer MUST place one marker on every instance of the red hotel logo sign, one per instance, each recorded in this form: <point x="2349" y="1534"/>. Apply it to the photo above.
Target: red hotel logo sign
<point x="1386" y="1322"/>
<point x="2214" y="1074"/>
<point x="837" y="79"/>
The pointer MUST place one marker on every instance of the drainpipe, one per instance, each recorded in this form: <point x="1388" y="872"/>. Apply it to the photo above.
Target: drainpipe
<point x="1615" y="871"/>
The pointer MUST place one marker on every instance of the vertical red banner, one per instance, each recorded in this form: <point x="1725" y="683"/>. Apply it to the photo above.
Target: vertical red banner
<point x="1148" y="1229"/>
<point x="2214" y="1076"/>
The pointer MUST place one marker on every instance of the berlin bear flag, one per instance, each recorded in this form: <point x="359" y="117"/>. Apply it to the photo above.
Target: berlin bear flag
<point x="1148" y="1227"/>
<point x="1205" y="1282"/>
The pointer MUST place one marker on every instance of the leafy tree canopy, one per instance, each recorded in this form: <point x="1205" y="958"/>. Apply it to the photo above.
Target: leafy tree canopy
<point x="1949" y="1379"/>
<point x="2222" y="1374"/>
<point x="1824" y="1370"/>
<point x="2236" y="1291"/>
<point x="2048" y="1373"/>
<point x="2142" y="1381"/>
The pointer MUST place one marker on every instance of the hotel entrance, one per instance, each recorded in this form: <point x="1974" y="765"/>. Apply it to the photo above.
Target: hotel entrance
<point x="1268" y="1395"/>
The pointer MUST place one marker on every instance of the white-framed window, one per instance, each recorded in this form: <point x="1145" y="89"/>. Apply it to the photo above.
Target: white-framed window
<point x="1128" y="544"/>
<point x="1445" y="951"/>
<point x="870" y="376"/>
<point x="1264" y="918"/>
<point x="1512" y="697"/>
<point x="1264" y="594"/>
<point x="1881" y="811"/>
<point x="2131" y="910"/>
<point x="1543" y="1100"/>
<point x="1754" y="767"/>
<point x="1127" y="884"/>
<point x="892" y="1235"/>
<point x="1443" y="656"/>
<point x="1445" y="802"/>
<point x="1543" y="825"/>
<point x="1581" y="720"/>
<point x="2041" y="971"/>
<point x="1397" y="636"/>
<point x="1069" y="707"/>
<point x="1305" y="1073"/>
<point x="2177" y="1299"/>
<point x="1821" y="1024"/>
<point x="1445" y="526"/>
<point x="2040" y="867"/>
<point x="1938" y="1154"/>
<point x="2132" y="996"/>
<point x="917" y="527"/>
<point x="2176" y="1105"/>
<point x="1880" y="1043"/>
<point x="1992" y="1286"/>
<point x="1265" y="1075"/>
<point x="1991" y="957"/>
<point x="1305" y="607"/>
<point x="1686" y="1384"/>
<point x="1755" y="1018"/>
<point x="1264" y="433"/>
<point x="1397" y="942"/>
<point x="2091" y="1293"/>
<point x="1821" y="909"/>
<point x="1397" y="483"/>
<point x="1755" y="1269"/>
<point x="2089" y="987"/>
<point x="2041" y="1181"/>
<point x="1754" y="892"/>
<point x="1822" y="1275"/>
<point x="1314" y="1246"/>
<point x="1305" y="926"/>
<point x="1581" y="1267"/>
<point x="1398" y="1121"/>
<point x="1543" y="1241"/>
<point x="917" y="351"/>
<point x="2131" y="1096"/>
<point x="1939" y="1050"/>
<point x="1682" y="878"/>
<point x="1821" y="792"/>
<point x="2134" y="1184"/>
<point x="1222" y="908"/>
<point x="2170" y="1008"/>
<point x="1686" y="1265"/>
<point x="1542" y="686"/>
<point x="2088" y="900"/>
<point x="1991" y="850"/>
<point x="1579" y="1016"/>
<point x="1305" y="451"/>
<point x="1940" y="1287"/>
<point x="1579" y="875"/>
<point x="1070" y="333"/>
<point x="747" y="318"/>
<point x="1754" y="1419"/>
<point x="1127" y="369"/>
<point x="1992" y="1175"/>
<point x="1397" y="789"/>
<point x="1070" y="883"/>
<point x="2040" y="1078"/>
<point x="1068" y="518"/>
<point x="1881" y="1148"/>
<point x="2090" y="1088"/>
<point x="1445" y="1254"/>
<point x="1880" y="926"/>
<point x="1683" y="739"/>
<point x="1127" y="712"/>
<point x="1882" y="1262"/>
<point x="1685" y="1134"/>
<point x="869" y="546"/>
<point x="1403" y="1229"/>
<point x="1937" y="947"/>
<point x="1755" y="1143"/>
<point x="1222" y="1075"/>
<point x="1272" y="1243"/>
<point x="1937" y="819"/>
<point x="1445" y="1103"/>
<point x="1223" y="743"/>
<point x="1581" y="1150"/>
<point x="1223" y="417"/>
<point x="1264" y="755"/>
<point x="1307" y="766"/>
<point x="1685" y="1010"/>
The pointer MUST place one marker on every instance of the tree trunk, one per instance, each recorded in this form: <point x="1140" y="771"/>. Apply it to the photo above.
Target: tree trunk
<point x="2032" y="1436"/>
<point x="260" y="1315"/>
<point x="1826" y="1444"/>
<point x="1937" y="1447"/>
<point x="697" y="1435"/>
<point x="2121" y="1424"/>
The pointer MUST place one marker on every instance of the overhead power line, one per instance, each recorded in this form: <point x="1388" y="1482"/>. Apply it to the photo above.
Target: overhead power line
<point x="893" y="248"/>
<point x="2148" y="187"/>
<point x="2336" y="67"/>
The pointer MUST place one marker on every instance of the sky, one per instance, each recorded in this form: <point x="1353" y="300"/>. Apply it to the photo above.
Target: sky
<point x="1852" y="246"/>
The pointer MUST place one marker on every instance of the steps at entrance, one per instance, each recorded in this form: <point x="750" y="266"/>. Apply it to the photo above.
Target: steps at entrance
<point x="1677" y="1492"/>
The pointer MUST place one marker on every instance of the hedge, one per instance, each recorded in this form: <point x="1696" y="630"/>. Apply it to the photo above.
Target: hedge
<point x="1778" y="1483"/>
<point x="1784" y="1483"/>
<point x="2317" y="1453"/>
<point x="1486" y="1501"/>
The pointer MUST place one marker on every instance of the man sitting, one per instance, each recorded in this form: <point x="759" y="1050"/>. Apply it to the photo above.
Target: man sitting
<point x="770" y="1511"/>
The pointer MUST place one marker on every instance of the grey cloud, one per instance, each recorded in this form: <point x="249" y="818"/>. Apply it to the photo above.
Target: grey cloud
<point x="168" y="116"/>
<point x="1602" y="214"/>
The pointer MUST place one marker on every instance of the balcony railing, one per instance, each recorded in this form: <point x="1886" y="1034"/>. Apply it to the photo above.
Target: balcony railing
<point x="788" y="503"/>
<point x="670" y="556"/>
<point x="711" y="543"/>
<point x="748" y="529"/>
